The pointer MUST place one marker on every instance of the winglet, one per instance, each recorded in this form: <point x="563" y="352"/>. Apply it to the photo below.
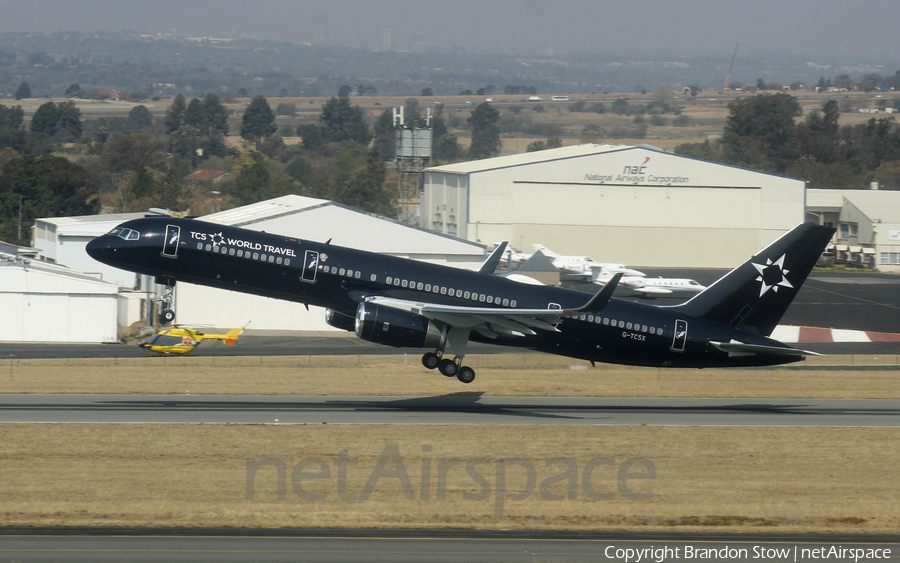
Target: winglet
<point x="491" y="262"/>
<point x="602" y="297"/>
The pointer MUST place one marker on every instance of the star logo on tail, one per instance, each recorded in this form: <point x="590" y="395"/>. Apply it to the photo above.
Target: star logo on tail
<point x="772" y="275"/>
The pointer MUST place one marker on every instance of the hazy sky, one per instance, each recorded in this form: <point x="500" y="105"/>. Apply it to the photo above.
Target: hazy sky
<point x="824" y="28"/>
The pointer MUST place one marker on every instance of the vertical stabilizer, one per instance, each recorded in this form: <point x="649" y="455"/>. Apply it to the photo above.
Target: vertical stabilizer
<point x="754" y="296"/>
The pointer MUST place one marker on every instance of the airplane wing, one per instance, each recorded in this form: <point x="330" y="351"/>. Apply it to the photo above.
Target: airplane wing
<point x="493" y="321"/>
<point x="735" y="348"/>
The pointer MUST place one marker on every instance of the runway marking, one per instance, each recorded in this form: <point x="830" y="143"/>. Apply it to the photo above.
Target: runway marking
<point x="853" y="297"/>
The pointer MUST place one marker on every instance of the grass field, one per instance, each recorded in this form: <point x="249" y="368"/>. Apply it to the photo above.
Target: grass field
<point x="840" y="480"/>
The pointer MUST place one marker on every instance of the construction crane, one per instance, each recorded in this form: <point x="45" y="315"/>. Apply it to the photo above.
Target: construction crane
<point x="728" y="76"/>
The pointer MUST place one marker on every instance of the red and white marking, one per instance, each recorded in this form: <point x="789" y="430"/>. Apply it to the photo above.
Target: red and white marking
<point x="800" y="334"/>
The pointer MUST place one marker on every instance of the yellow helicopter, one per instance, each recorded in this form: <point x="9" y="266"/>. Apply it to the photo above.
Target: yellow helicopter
<point x="179" y="339"/>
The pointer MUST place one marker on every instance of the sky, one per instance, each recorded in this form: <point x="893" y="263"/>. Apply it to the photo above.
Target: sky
<point x="819" y="28"/>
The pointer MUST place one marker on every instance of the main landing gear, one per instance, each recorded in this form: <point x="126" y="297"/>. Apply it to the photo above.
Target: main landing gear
<point x="458" y="340"/>
<point x="167" y="302"/>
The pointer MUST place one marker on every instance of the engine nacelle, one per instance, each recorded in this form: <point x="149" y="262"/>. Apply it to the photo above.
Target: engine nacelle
<point x="391" y="327"/>
<point x="339" y="320"/>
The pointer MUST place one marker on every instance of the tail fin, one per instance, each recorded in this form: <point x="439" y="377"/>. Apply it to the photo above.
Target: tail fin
<point x="544" y="250"/>
<point x="754" y="296"/>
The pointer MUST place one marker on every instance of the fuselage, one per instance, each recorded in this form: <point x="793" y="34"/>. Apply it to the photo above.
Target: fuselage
<point x="340" y="278"/>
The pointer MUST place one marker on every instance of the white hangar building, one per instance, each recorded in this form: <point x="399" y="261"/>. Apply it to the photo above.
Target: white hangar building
<point x="637" y="205"/>
<point x="318" y="220"/>
<point x="44" y="302"/>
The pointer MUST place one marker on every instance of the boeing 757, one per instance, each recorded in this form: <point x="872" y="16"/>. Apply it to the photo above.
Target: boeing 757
<point x="406" y="303"/>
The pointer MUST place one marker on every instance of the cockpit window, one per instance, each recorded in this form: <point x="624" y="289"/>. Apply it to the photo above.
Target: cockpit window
<point x="125" y="233"/>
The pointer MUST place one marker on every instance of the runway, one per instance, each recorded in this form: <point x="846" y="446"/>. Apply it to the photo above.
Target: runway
<point x="459" y="408"/>
<point x="435" y="546"/>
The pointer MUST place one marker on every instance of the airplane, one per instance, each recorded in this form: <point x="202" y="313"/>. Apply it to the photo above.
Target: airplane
<point x="405" y="303"/>
<point x="649" y="287"/>
<point x="583" y="265"/>
<point x="180" y="339"/>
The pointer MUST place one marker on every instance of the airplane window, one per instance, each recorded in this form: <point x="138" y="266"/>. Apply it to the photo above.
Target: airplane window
<point x="216" y="249"/>
<point x="341" y="271"/>
<point x="652" y="330"/>
<point x="482" y="297"/>
<point x="435" y="288"/>
<point x="606" y="320"/>
<point x="287" y="261"/>
<point x="373" y="277"/>
<point x="581" y="317"/>
<point x="357" y="274"/>
<point x="590" y="318"/>
<point x="628" y="326"/>
<point x="240" y="253"/>
<point x="644" y="328"/>
<point x="272" y="259"/>
<point x="459" y="293"/>
<point x="443" y="290"/>
<point x="132" y="235"/>
<point x="115" y="231"/>
<point x="262" y="257"/>
<point x="404" y="283"/>
<point x="396" y="281"/>
<point x="420" y="286"/>
<point x="427" y="287"/>
<point x="490" y="298"/>
<point x="506" y="302"/>
<point x="231" y="252"/>
<point x="278" y="260"/>
<point x="334" y="269"/>
<point x="598" y="320"/>
<point x="621" y="324"/>
<point x="199" y="246"/>
<point x="388" y="280"/>
<point x="613" y="322"/>
<point x="208" y="247"/>
<point x="465" y="295"/>
<point x="512" y="303"/>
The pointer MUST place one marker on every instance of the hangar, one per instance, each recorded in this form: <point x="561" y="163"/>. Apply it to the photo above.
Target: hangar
<point x="637" y="205"/>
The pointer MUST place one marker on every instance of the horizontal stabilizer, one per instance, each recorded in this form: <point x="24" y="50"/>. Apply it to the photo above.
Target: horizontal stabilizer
<point x="740" y="349"/>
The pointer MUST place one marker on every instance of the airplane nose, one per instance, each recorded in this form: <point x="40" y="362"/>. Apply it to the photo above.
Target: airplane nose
<point x="102" y="249"/>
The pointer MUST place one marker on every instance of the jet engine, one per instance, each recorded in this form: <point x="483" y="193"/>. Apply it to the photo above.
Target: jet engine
<point x="384" y="325"/>
<point x="339" y="320"/>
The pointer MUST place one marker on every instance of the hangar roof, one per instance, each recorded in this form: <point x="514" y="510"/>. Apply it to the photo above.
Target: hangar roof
<point x="319" y="219"/>
<point x="531" y="158"/>
<point x="88" y="225"/>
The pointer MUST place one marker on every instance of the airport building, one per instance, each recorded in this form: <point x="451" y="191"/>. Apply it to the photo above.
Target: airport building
<point x="867" y="224"/>
<point x="636" y="205"/>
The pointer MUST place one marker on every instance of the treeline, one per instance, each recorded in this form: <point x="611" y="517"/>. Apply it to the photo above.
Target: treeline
<point x="762" y="132"/>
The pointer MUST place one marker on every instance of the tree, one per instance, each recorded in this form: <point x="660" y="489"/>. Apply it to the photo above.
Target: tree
<point x="485" y="132"/>
<point x="46" y="119"/>
<point x="888" y="175"/>
<point x="127" y="153"/>
<point x="313" y="136"/>
<point x="366" y="189"/>
<point x="760" y="132"/>
<point x="70" y="121"/>
<point x="259" y="121"/>
<point x="251" y="179"/>
<point x="175" y="114"/>
<point x="141" y="185"/>
<point x="215" y="114"/>
<point x="342" y="122"/>
<point x="427" y="92"/>
<point x="23" y="91"/>
<point x="171" y="191"/>
<point x="194" y="116"/>
<point x="344" y="91"/>
<point x="73" y="90"/>
<point x="140" y="117"/>
<point x="11" y="117"/>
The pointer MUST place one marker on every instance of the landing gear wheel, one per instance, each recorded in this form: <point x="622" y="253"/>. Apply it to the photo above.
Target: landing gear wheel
<point x="430" y="360"/>
<point x="466" y="374"/>
<point x="448" y="367"/>
<point x="168" y="316"/>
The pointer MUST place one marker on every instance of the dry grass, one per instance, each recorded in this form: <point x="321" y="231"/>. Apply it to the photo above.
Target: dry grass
<point x="498" y="375"/>
<point x="840" y="480"/>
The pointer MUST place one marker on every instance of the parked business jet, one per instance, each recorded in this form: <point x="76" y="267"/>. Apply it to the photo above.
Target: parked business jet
<point x="405" y="303"/>
<point x="583" y="265"/>
<point x="649" y="287"/>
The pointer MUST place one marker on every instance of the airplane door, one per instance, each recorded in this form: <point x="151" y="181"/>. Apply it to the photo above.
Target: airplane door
<point x="680" y="338"/>
<point x="310" y="266"/>
<point x="170" y="244"/>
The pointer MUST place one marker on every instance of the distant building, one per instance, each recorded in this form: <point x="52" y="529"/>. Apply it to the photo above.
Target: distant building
<point x="214" y="176"/>
<point x="867" y="223"/>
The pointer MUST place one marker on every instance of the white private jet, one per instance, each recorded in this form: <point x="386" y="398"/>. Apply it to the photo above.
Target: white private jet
<point x="583" y="265"/>
<point x="649" y="287"/>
